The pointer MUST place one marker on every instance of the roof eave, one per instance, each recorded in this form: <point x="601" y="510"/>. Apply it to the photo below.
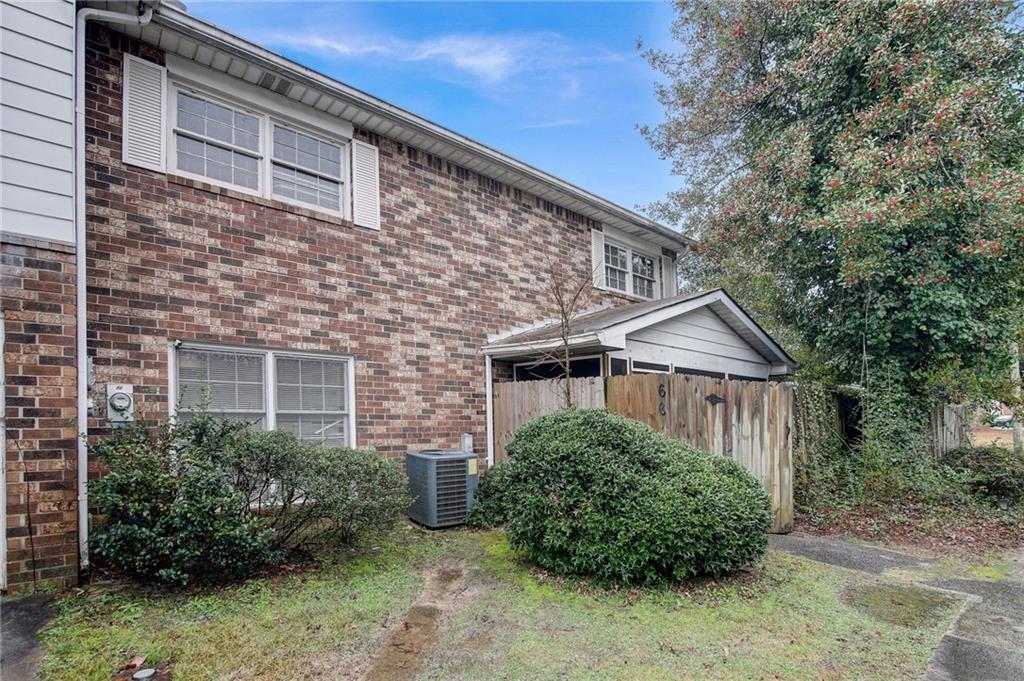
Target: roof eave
<point x="181" y="22"/>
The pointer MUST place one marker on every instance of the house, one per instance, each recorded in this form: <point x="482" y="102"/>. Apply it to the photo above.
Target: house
<point x="187" y="214"/>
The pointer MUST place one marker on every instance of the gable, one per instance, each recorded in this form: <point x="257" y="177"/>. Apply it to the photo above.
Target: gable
<point x="698" y="340"/>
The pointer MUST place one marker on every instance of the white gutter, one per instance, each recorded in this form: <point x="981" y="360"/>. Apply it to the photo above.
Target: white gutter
<point x="81" y="349"/>
<point x="489" y="397"/>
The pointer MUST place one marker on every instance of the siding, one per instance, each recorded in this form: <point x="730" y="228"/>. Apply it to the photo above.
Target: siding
<point x="37" y="87"/>
<point x="697" y="340"/>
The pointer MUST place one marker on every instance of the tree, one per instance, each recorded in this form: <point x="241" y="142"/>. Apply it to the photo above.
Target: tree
<point x="568" y="292"/>
<point x="860" y="162"/>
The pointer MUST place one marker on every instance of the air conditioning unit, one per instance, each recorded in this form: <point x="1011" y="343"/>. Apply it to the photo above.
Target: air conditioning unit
<point x="442" y="483"/>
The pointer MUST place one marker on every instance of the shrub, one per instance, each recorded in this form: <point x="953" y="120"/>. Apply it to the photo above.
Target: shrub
<point x="169" y="512"/>
<point x="211" y="498"/>
<point x="310" y="495"/>
<point x="991" y="472"/>
<point x="492" y="502"/>
<point x="593" y="493"/>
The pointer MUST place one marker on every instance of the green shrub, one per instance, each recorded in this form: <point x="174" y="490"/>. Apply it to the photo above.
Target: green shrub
<point x="592" y="493"/>
<point x="310" y="495"/>
<point x="492" y="501"/>
<point x="991" y="472"/>
<point x="215" y="499"/>
<point x="168" y="511"/>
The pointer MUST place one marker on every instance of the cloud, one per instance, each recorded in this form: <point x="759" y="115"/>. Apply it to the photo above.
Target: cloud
<point x="493" y="59"/>
<point x="557" y="123"/>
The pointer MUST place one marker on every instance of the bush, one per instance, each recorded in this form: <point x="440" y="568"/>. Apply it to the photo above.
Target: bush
<point x="169" y="513"/>
<point x="592" y="493"/>
<point x="215" y="499"/>
<point x="991" y="472"/>
<point x="311" y="495"/>
<point x="492" y="501"/>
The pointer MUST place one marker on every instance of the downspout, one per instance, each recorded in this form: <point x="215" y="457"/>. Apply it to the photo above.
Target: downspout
<point x="81" y="350"/>
<point x="489" y="397"/>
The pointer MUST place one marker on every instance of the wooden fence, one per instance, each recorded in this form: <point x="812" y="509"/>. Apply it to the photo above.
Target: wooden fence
<point x="749" y="421"/>
<point x="949" y="427"/>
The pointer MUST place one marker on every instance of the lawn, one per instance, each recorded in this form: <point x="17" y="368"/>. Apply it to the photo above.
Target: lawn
<point x="484" y="614"/>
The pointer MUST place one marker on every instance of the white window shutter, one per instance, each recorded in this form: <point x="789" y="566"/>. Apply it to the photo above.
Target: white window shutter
<point x="669" y="278"/>
<point x="365" y="185"/>
<point x="144" y="130"/>
<point x="597" y="256"/>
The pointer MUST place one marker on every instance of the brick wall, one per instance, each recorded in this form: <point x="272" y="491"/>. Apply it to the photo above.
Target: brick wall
<point x="456" y="258"/>
<point x="39" y="365"/>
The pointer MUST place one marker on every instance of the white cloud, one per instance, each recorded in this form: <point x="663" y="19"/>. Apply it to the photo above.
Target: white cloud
<point x="492" y="59"/>
<point x="557" y="123"/>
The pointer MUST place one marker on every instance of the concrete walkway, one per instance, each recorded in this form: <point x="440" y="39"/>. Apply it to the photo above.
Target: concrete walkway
<point x="986" y="643"/>
<point x="21" y="619"/>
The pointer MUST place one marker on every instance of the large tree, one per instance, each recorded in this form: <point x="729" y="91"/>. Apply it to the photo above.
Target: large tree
<point x="855" y="168"/>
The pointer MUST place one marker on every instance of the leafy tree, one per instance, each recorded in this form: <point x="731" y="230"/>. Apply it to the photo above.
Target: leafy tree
<point x="856" y="167"/>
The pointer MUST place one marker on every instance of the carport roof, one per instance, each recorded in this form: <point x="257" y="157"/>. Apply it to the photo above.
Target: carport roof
<point x="606" y="328"/>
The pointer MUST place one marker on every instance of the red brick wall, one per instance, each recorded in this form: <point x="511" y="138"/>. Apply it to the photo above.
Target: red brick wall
<point x="39" y="366"/>
<point x="170" y="258"/>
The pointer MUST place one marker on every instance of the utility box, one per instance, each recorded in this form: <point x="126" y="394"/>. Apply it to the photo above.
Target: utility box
<point x="442" y="483"/>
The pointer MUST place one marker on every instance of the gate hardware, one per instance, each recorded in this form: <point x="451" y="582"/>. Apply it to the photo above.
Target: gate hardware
<point x="715" y="399"/>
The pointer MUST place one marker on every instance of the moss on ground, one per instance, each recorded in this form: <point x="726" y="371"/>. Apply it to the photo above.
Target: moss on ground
<point x="787" y="618"/>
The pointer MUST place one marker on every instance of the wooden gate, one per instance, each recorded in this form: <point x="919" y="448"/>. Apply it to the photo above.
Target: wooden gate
<point x="749" y="421"/>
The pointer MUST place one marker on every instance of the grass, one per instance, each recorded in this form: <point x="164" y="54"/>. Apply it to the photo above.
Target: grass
<point x="785" y="619"/>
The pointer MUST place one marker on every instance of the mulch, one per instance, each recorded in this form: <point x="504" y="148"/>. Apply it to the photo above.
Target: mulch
<point x="912" y="524"/>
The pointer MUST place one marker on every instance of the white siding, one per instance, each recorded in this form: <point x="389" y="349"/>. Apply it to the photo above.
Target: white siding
<point x="696" y="340"/>
<point x="37" y="89"/>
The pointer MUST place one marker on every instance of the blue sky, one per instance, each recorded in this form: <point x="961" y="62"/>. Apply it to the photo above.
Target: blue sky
<point x="559" y="85"/>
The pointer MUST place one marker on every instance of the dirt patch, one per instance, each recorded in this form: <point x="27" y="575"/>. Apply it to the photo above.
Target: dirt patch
<point x="409" y="644"/>
<point x="908" y="606"/>
<point x="989" y="435"/>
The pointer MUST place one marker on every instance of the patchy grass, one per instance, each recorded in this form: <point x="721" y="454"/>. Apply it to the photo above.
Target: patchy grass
<point x="262" y="629"/>
<point x="785" y="619"/>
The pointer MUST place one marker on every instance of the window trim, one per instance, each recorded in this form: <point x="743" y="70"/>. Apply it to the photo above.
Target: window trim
<point x="630" y="251"/>
<point x="267" y="118"/>
<point x="269" y="378"/>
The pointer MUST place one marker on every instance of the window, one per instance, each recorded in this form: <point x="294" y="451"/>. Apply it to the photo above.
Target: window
<point x="643" y="275"/>
<point x="306" y="169"/>
<point x="309" y="396"/>
<point x="630" y="271"/>
<point x="227" y="383"/>
<point x="217" y="142"/>
<point x="615" y="259"/>
<point x="244" y="149"/>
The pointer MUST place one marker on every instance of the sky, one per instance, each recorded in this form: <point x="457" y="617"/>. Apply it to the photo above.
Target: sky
<point x="561" y="86"/>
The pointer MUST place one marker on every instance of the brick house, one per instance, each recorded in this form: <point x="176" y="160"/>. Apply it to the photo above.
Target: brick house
<point x="231" y="226"/>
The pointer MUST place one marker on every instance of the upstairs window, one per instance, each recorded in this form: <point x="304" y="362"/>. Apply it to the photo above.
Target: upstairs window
<point x="255" y="152"/>
<point x="631" y="271"/>
<point x="643" y="275"/>
<point x="217" y="141"/>
<point x="615" y="264"/>
<point x="306" y="169"/>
